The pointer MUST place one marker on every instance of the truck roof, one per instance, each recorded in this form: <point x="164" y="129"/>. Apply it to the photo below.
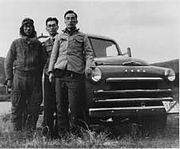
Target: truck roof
<point x="100" y="36"/>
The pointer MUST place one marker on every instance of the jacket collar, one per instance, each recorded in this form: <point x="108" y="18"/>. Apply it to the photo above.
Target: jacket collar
<point x="70" y="32"/>
<point x="28" y="40"/>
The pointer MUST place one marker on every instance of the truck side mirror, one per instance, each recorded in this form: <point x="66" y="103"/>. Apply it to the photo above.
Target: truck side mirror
<point x="128" y="53"/>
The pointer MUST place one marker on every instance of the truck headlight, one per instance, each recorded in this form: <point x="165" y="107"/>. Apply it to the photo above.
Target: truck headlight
<point x="96" y="74"/>
<point x="170" y="74"/>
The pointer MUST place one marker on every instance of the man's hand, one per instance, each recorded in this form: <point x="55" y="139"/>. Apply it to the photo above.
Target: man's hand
<point x="9" y="83"/>
<point x="88" y="72"/>
<point x="51" y="77"/>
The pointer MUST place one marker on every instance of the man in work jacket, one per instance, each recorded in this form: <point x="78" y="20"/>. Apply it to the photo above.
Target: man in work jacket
<point x="71" y="59"/>
<point x="23" y="67"/>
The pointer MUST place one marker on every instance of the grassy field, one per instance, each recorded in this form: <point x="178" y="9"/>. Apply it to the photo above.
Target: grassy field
<point x="123" y="136"/>
<point x="104" y="137"/>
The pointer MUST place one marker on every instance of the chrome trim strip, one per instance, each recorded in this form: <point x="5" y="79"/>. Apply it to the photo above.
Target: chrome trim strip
<point x="135" y="90"/>
<point x="134" y="99"/>
<point x="125" y="108"/>
<point x="132" y="78"/>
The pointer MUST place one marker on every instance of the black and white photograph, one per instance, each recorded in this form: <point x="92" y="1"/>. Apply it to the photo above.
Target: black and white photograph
<point x="89" y="73"/>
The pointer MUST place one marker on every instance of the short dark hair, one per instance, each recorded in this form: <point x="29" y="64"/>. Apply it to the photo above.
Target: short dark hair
<point x="52" y="19"/>
<point x="70" y="11"/>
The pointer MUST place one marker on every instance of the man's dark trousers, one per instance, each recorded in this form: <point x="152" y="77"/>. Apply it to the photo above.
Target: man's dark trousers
<point x="70" y="95"/>
<point x="26" y="99"/>
<point x="50" y="105"/>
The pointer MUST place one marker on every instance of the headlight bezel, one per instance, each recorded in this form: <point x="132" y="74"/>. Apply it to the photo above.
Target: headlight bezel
<point x="170" y="74"/>
<point x="96" y="74"/>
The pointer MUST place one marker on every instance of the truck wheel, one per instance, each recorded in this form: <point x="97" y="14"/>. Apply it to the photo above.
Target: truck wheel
<point x="154" y="123"/>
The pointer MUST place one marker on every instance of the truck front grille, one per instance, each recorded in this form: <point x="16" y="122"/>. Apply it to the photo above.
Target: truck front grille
<point x="134" y="83"/>
<point x="130" y="92"/>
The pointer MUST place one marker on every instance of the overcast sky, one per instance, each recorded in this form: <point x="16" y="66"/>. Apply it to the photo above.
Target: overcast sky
<point x="149" y="27"/>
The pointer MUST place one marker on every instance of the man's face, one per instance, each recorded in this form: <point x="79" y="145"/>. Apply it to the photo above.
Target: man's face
<point x="70" y="20"/>
<point x="52" y="28"/>
<point x="28" y="29"/>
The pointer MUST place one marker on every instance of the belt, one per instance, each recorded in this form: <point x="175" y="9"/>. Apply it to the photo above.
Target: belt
<point x="67" y="73"/>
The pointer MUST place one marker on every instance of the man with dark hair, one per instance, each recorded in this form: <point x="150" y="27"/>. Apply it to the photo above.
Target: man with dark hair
<point x="71" y="59"/>
<point x="50" y="126"/>
<point x="51" y="19"/>
<point x="70" y="11"/>
<point x="23" y="68"/>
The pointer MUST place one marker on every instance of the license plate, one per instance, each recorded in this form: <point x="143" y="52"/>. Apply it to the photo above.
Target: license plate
<point x="171" y="107"/>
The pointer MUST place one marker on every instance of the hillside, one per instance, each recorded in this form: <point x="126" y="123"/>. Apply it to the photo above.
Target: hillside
<point x="2" y="74"/>
<point x="173" y="64"/>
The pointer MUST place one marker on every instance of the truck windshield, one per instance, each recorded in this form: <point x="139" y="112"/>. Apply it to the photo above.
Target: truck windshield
<point x="103" y="48"/>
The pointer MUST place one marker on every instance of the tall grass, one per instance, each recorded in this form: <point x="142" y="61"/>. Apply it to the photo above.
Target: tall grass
<point x="100" y="137"/>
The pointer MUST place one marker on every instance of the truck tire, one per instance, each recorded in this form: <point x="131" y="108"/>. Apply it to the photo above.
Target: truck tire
<point x="154" y="123"/>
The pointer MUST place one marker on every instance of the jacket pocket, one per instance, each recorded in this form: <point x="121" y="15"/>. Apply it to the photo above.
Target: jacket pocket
<point x="78" y="42"/>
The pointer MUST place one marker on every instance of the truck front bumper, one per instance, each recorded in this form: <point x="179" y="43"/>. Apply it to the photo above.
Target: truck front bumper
<point x="125" y="111"/>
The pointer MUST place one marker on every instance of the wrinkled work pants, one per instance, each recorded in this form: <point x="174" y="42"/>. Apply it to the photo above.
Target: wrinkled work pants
<point x="70" y="95"/>
<point x="26" y="99"/>
<point x="50" y="105"/>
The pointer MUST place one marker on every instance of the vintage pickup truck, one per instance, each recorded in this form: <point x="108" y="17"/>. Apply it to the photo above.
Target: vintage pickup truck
<point x="124" y="88"/>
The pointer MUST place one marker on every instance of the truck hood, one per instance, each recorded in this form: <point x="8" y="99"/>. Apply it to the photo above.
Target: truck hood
<point x="120" y="60"/>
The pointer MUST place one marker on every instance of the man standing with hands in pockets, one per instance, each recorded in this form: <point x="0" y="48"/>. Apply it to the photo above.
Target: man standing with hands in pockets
<point x="70" y="62"/>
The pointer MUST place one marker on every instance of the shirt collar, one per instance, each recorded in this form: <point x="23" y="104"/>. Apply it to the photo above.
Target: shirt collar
<point x="52" y="38"/>
<point x="70" y="32"/>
